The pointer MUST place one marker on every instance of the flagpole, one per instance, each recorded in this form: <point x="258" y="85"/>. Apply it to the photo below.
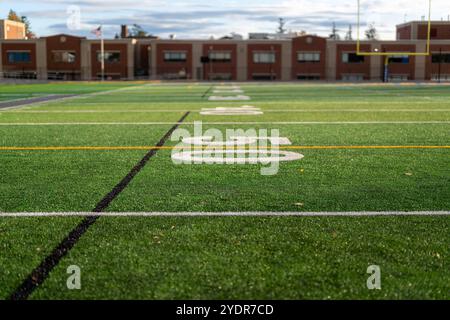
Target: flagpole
<point x="102" y="53"/>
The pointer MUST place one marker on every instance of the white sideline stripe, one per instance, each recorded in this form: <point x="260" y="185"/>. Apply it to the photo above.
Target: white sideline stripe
<point x="79" y="96"/>
<point x="268" y="110"/>
<point x="37" y="103"/>
<point x="224" y="214"/>
<point x="217" y="123"/>
<point x="330" y="102"/>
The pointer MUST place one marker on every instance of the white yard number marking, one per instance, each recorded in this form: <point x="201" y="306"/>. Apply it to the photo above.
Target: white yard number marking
<point x="241" y="111"/>
<point x="231" y="91"/>
<point x="227" y="88"/>
<point x="229" y="98"/>
<point x="224" y="152"/>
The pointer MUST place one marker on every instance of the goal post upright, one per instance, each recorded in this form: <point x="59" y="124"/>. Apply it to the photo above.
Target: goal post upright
<point x="387" y="54"/>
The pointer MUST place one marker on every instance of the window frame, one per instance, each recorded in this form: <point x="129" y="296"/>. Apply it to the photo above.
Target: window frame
<point x="352" y="77"/>
<point x="8" y="52"/>
<point x="169" y="52"/>
<point x="216" y="60"/>
<point x="305" y="53"/>
<point x="109" y="52"/>
<point x="437" y="55"/>
<point x="309" y="77"/>
<point x="268" y="53"/>
<point x="402" y="57"/>
<point x="360" y="57"/>
<point x="62" y="52"/>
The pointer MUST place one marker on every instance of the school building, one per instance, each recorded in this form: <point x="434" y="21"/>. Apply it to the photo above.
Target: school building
<point x="301" y="58"/>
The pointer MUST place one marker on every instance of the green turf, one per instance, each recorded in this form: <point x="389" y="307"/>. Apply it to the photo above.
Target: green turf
<point x="57" y="88"/>
<point x="258" y="258"/>
<point x="242" y="258"/>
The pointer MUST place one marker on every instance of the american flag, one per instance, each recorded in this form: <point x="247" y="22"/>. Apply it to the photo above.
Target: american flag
<point x="97" y="31"/>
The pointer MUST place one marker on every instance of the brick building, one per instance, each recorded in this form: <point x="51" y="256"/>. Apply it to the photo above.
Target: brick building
<point x="12" y="30"/>
<point x="302" y="58"/>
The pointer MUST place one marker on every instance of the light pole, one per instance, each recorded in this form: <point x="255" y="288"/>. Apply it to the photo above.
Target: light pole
<point x="102" y="54"/>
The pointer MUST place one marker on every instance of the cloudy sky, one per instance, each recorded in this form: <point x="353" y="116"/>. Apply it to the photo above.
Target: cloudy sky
<point x="203" y="19"/>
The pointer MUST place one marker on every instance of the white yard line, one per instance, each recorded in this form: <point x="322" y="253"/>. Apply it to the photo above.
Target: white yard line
<point x="219" y="123"/>
<point x="102" y="111"/>
<point x="328" y="102"/>
<point x="267" y="110"/>
<point x="224" y="214"/>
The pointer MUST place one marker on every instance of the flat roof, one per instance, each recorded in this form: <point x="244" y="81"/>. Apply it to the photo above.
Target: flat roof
<point x="6" y="21"/>
<point x="433" y="22"/>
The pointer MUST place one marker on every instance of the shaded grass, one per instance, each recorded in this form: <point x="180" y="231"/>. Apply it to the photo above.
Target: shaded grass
<point x="257" y="258"/>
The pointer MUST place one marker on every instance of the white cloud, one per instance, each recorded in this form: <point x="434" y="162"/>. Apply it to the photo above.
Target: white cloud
<point x="200" y="18"/>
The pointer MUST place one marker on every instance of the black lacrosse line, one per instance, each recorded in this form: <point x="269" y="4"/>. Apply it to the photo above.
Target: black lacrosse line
<point x="40" y="274"/>
<point x="207" y="91"/>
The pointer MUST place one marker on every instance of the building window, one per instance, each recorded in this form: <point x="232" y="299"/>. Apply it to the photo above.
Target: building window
<point x="175" y="56"/>
<point x="20" y="75"/>
<point x="221" y="76"/>
<point x="352" y="77"/>
<point x="433" y="33"/>
<point x="220" y="56"/>
<point x="308" y="77"/>
<point x="440" y="58"/>
<point x="398" y="77"/>
<point x="264" y="76"/>
<point x="352" y="58"/>
<point x="110" y="76"/>
<point x="110" y="56"/>
<point x="443" y="77"/>
<point x="399" y="59"/>
<point x="308" y="57"/>
<point x="64" y="56"/>
<point x="264" y="57"/>
<point x="19" y="57"/>
<point x="66" y="76"/>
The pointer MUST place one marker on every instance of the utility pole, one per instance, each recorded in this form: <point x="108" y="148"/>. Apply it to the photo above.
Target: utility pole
<point x="349" y="35"/>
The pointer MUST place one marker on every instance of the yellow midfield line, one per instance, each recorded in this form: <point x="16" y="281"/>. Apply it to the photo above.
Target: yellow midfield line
<point x="125" y="148"/>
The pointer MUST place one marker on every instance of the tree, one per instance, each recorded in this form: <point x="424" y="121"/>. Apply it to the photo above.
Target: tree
<point x="334" y="33"/>
<point x="349" y="34"/>
<point x="13" y="16"/>
<point x="281" y="26"/>
<point x="28" y="33"/>
<point x="371" y="32"/>
<point x="138" y="32"/>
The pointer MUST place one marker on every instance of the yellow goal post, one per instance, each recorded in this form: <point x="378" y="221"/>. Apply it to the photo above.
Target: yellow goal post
<point x="387" y="54"/>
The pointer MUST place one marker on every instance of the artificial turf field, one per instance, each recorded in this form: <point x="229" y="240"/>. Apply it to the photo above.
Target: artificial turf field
<point x="213" y="257"/>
